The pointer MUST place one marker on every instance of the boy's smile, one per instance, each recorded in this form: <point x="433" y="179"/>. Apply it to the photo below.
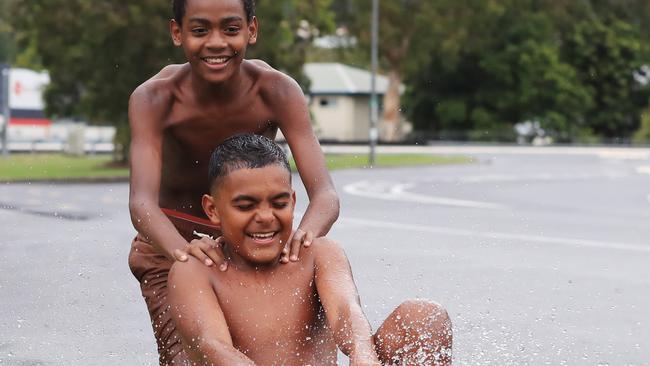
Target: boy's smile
<point x="254" y="208"/>
<point x="214" y="35"/>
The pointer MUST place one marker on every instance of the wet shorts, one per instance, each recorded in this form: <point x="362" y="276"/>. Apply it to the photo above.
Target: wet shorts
<point x="151" y="268"/>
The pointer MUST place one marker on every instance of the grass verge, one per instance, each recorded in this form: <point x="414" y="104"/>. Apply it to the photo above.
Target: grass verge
<point x="53" y="167"/>
<point x="347" y="161"/>
<point x="27" y="167"/>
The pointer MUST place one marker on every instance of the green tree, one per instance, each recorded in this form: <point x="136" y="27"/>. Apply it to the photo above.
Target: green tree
<point x="25" y="56"/>
<point x="642" y="135"/>
<point x="605" y="54"/>
<point x="406" y="28"/>
<point x="99" y="51"/>
<point x="518" y="60"/>
<point x="287" y="28"/>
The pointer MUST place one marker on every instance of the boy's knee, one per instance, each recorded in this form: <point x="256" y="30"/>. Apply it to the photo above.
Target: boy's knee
<point x="419" y="308"/>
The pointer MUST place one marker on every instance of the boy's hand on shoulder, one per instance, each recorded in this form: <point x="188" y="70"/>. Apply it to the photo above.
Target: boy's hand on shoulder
<point x="365" y="361"/>
<point x="298" y="239"/>
<point x="364" y="357"/>
<point x="209" y="251"/>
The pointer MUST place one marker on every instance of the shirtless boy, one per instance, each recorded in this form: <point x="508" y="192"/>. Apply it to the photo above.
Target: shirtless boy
<point x="178" y="117"/>
<point x="262" y="312"/>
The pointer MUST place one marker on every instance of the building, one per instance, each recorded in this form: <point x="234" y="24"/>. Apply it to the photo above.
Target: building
<point x="340" y="100"/>
<point x="26" y="97"/>
<point x="30" y="129"/>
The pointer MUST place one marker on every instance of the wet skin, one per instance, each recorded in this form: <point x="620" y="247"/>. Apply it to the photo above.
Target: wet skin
<point x="263" y="313"/>
<point x="271" y="316"/>
<point x="260" y="311"/>
<point x="181" y="114"/>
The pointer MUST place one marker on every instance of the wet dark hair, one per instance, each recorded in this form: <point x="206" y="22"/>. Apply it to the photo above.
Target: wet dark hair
<point x="244" y="151"/>
<point x="178" y="6"/>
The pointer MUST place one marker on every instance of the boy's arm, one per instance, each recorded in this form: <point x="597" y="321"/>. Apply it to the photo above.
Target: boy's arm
<point x="146" y="113"/>
<point x="340" y="299"/>
<point x="198" y="317"/>
<point x="295" y="124"/>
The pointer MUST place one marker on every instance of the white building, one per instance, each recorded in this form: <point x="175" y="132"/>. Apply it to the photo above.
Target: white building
<point x="340" y="100"/>
<point x="30" y="130"/>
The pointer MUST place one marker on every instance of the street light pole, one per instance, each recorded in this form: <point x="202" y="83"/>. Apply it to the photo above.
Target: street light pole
<point x="374" y="106"/>
<point x="6" y="111"/>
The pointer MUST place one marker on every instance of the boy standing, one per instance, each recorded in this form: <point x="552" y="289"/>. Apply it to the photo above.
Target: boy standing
<point x="179" y="116"/>
<point x="261" y="312"/>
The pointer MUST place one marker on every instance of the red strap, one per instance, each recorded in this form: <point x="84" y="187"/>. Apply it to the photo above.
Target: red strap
<point x="188" y="217"/>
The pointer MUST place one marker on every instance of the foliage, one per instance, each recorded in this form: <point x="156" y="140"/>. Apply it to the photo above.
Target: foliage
<point x="605" y="54"/>
<point x="401" y="23"/>
<point x="99" y="51"/>
<point x="25" y="56"/>
<point x="642" y="135"/>
<point x="474" y="68"/>
<point x="287" y="28"/>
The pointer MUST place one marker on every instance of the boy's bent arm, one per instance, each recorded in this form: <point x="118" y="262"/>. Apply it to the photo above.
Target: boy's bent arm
<point x="340" y="300"/>
<point x="198" y="317"/>
<point x="295" y="124"/>
<point x="146" y="113"/>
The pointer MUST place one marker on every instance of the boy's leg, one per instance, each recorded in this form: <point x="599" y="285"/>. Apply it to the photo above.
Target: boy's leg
<point x="418" y="332"/>
<point x="151" y="269"/>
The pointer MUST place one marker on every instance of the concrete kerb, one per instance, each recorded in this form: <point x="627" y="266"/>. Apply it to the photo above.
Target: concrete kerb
<point x="606" y="151"/>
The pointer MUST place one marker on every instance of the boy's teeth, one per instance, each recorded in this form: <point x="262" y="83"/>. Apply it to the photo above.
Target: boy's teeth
<point x="216" y="60"/>
<point x="262" y="236"/>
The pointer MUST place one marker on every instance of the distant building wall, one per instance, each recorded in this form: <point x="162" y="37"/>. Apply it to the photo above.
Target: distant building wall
<point x="361" y="118"/>
<point x="342" y="117"/>
<point x="333" y="114"/>
<point x="26" y="97"/>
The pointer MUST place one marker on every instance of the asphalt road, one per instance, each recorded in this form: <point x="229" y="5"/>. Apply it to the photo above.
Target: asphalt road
<point x="540" y="256"/>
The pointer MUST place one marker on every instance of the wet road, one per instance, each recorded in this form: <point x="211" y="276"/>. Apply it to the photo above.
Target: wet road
<point x="540" y="258"/>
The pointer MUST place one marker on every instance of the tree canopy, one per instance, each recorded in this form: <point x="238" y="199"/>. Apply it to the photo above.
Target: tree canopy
<point x="472" y="68"/>
<point x="98" y="51"/>
<point x="569" y="66"/>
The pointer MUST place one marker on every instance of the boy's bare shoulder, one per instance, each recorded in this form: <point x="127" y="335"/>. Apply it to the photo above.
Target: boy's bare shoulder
<point x="324" y="248"/>
<point x="191" y="269"/>
<point x="274" y="85"/>
<point x="158" y="90"/>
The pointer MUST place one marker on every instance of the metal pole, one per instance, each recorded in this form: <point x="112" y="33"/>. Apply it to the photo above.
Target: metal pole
<point x="374" y="106"/>
<point x="6" y="111"/>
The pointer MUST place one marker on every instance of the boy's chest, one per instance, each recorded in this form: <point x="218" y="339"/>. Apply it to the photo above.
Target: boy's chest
<point x="219" y="120"/>
<point x="266" y="313"/>
<point x="195" y="133"/>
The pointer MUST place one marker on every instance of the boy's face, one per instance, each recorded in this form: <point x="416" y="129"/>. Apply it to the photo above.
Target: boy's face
<point x="255" y="210"/>
<point x="214" y="36"/>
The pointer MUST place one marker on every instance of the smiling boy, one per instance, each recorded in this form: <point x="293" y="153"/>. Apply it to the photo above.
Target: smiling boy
<point x="178" y="117"/>
<point x="261" y="312"/>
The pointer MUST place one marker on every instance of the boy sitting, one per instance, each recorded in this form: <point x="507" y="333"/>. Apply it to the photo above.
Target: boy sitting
<point x="261" y="312"/>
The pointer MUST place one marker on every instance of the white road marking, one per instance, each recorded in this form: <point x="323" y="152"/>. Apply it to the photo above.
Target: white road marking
<point x="637" y="153"/>
<point x="643" y="169"/>
<point x="499" y="236"/>
<point x="68" y="207"/>
<point x="397" y="192"/>
<point x="498" y="178"/>
<point x="630" y="154"/>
